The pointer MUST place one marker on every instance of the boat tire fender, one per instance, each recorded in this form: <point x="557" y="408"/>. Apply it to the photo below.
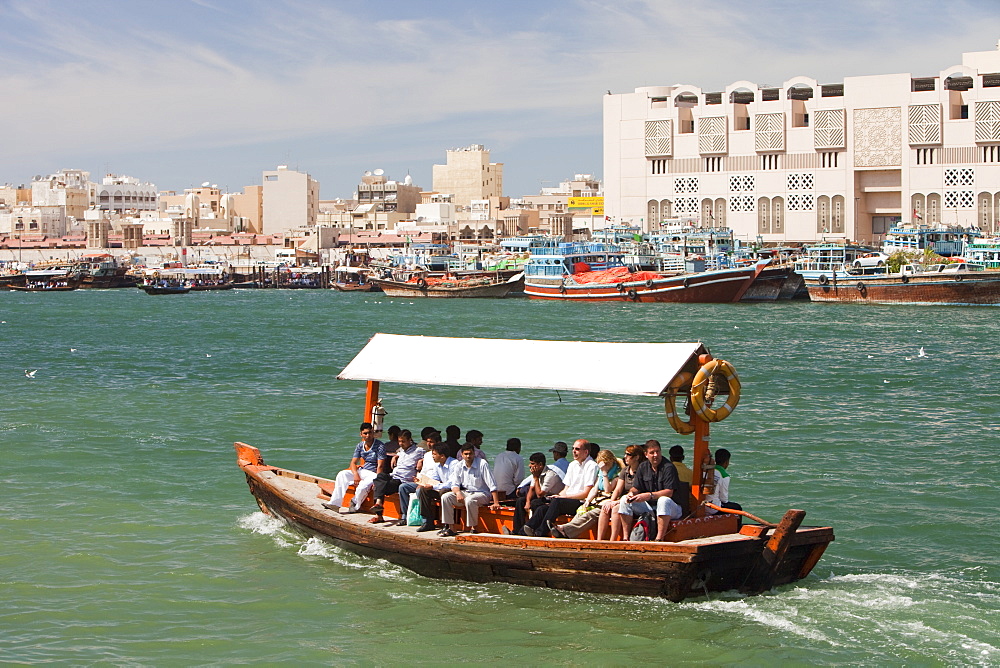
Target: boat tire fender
<point x="621" y="287"/>
<point x="633" y="295"/>
<point x="421" y="283"/>
<point x="860" y="286"/>
<point x="823" y="279"/>
<point x="687" y="282"/>
<point x="904" y="278"/>
<point x="670" y="404"/>
<point x="960" y="278"/>
<point x="700" y="384"/>
<point x="649" y="283"/>
<point x="562" y="288"/>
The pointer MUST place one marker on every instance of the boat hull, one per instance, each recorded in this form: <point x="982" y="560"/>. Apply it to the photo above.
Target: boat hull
<point x="161" y="290"/>
<point x="400" y="289"/>
<point x="968" y="288"/>
<point x="710" y="287"/>
<point x="670" y="570"/>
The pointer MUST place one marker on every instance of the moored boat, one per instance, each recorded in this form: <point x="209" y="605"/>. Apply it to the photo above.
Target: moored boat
<point x="701" y="552"/>
<point x="352" y="279"/>
<point x="472" y="287"/>
<point x="957" y="284"/>
<point x="165" y="289"/>
<point x="593" y="272"/>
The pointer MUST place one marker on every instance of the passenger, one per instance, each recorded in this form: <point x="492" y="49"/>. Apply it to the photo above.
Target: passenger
<point x="543" y="481"/>
<point x="588" y="514"/>
<point x="393" y="443"/>
<point x="407" y="462"/>
<point x="652" y="487"/>
<point x="472" y="486"/>
<point x="677" y="459"/>
<point x="720" y="496"/>
<point x="634" y="455"/>
<point x="452" y="434"/>
<point x="581" y="476"/>
<point x="682" y="495"/>
<point x="423" y="437"/>
<point x="559" y="460"/>
<point x="475" y="438"/>
<point x="434" y="480"/>
<point x="508" y="469"/>
<point x="368" y="461"/>
<point x="594" y="450"/>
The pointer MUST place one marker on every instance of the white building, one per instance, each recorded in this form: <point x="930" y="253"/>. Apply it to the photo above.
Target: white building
<point x="290" y="200"/>
<point x="807" y="160"/>
<point x="124" y="193"/>
<point x="469" y="175"/>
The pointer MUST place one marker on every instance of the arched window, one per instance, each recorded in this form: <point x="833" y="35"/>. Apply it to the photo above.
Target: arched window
<point x="720" y="213"/>
<point x="933" y="209"/>
<point x="653" y="211"/>
<point x="823" y="225"/>
<point x="985" y="212"/>
<point x="707" y="217"/>
<point x="837" y="215"/>
<point x="919" y="205"/>
<point x="797" y="96"/>
<point x="666" y="209"/>
<point x="763" y="216"/>
<point x="778" y="215"/>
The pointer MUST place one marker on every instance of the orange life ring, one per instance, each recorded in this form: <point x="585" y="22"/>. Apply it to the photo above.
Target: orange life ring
<point x="700" y="384"/>
<point x="670" y="404"/>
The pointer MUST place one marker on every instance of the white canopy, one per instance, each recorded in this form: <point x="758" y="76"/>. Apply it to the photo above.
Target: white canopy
<point x="582" y="366"/>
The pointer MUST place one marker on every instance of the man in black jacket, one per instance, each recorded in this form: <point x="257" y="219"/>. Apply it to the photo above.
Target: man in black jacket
<point x="653" y="487"/>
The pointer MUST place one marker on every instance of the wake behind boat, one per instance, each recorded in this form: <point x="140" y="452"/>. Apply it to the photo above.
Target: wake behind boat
<point x="702" y="553"/>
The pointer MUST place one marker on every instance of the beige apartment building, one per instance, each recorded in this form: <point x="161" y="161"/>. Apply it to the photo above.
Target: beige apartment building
<point x="290" y="200"/>
<point x="809" y="160"/>
<point x="469" y="175"/>
<point x="69" y="188"/>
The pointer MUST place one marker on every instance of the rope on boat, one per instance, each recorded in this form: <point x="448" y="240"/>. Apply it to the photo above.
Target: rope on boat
<point x="743" y="513"/>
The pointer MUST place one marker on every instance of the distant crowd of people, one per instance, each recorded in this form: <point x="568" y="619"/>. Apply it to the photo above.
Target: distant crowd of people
<point x="594" y="487"/>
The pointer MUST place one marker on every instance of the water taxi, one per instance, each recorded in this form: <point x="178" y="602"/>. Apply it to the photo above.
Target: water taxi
<point x="702" y="552"/>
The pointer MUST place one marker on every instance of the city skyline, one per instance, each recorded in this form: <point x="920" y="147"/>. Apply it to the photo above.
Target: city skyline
<point x="219" y="91"/>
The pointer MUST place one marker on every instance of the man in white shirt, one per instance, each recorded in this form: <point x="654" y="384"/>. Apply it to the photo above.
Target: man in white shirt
<point x="508" y="469"/>
<point x="472" y="485"/>
<point x="407" y="462"/>
<point x="433" y="481"/>
<point x="581" y="475"/>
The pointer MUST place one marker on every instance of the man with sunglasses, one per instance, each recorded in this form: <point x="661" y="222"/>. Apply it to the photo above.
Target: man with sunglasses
<point x="581" y="475"/>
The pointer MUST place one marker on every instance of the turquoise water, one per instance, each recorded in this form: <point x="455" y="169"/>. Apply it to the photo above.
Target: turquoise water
<point x="129" y="535"/>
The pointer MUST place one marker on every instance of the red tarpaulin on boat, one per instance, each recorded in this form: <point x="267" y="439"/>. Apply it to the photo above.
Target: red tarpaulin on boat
<point x="615" y="275"/>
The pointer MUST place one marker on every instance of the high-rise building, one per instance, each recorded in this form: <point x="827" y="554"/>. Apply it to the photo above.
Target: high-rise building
<point x="290" y="200"/>
<point x="469" y="175"/>
<point x="808" y="160"/>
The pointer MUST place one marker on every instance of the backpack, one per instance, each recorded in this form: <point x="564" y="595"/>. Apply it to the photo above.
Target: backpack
<point x="644" y="527"/>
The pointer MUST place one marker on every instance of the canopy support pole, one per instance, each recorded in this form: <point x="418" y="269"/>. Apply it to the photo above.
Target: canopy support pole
<point x="371" y="398"/>
<point x="702" y="472"/>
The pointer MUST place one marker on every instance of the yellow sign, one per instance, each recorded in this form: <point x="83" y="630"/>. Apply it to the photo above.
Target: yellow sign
<point x="595" y="204"/>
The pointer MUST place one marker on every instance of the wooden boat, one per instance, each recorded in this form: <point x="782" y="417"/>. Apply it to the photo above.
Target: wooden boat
<point x="43" y="287"/>
<point x="956" y="284"/>
<point x="707" y="553"/>
<point x="9" y="280"/>
<point x="204" y="287"/>
<point x="352" y="279"/>
<point x="103" y="271"/>
<point x="165" y="289"/>
<point x="481" y="287"/>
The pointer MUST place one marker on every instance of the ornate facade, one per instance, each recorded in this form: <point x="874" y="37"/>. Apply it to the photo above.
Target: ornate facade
<point x="805" y="161"/>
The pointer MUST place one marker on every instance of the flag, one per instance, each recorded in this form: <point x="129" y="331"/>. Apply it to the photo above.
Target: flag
<point x="916" y="214"/>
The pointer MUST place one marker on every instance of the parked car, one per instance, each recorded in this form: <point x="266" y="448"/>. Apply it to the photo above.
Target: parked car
<point x="871" y="260"/>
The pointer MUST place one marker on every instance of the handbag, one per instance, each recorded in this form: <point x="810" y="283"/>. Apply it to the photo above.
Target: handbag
<point x="413" y="516"/>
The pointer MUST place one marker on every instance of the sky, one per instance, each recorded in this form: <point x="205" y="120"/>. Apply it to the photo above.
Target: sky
<point x="184" y="92"/>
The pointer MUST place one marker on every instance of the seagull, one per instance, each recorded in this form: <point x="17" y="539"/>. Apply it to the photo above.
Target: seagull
<point x="30" y="374"/>
<point x="207" y="355"/>
<point x="885" y="381"/>
<point x="871" y="357"/>
<point x="921" y="353"/>
<point x="736" y="326"/>
<point x="908" y="358"/>
<point x="72" y="350"/>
